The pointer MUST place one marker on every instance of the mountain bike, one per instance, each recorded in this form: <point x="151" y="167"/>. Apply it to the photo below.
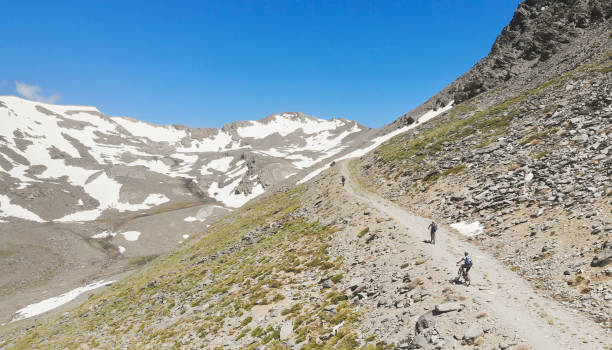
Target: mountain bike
<point x="462" y="274"/>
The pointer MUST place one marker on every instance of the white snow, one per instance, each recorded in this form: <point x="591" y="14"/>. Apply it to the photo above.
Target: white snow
<point x="381" y="139"/>
<point x="528" y="177"/>
<point x="107" y="191"/>
<point x="153" y="132"/>
<point x="191" y="219"/>
<point x="130" y="235"/>
<point x="54" y="302"/>
<point x="284" y="125"/>
<point x="219" y="142"/>
<point x="121" y="249"/>
<point x="221" y="164"/>
<point x="185" y="236"/>
<point x="227" y="196"/>
<point x="9" y="209"/>
<point x="469" y="230"/>
<point x="103" y="235"/>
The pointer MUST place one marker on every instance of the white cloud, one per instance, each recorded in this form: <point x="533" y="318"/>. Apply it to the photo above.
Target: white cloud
<point x="32" y="92"/>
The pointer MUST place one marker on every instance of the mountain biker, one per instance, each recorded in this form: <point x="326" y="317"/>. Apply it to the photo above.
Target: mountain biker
<point x="467" y="264"/>
<point x="433" y="227"/>
<point x="343" y="180"/>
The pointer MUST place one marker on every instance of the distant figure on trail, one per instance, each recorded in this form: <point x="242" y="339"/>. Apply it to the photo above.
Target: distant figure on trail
<point x="433" y="227"/>
<point x="343" y="180"/>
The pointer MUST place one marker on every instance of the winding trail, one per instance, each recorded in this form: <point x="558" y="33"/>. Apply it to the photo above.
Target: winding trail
<point x="505" y="295"/>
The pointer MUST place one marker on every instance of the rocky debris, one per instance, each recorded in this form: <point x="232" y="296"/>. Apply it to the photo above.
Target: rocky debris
<point x="544" y="39"/>
<point x="473" y="332"/>
<point x="286" y="331"/>
<point x="425" y="322"/>
<point x="538" y="182"/>
<point x="603" y="258"/>
<point x="447" y="307"/>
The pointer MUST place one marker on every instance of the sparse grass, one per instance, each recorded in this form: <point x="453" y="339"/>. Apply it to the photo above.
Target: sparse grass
<point x="238" y="280"/>
<point x="364" y="231"/>
<point x="337" y="278"/>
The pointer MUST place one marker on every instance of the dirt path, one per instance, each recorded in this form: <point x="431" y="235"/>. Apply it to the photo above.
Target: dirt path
<point x="506" y="295"/>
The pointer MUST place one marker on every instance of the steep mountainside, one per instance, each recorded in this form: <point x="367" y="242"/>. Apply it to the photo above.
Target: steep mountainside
<point x="84" y="195"/>
<point x="544" y="39"/>
<point x="525" y="168"/>
<point x="513" y="162"/>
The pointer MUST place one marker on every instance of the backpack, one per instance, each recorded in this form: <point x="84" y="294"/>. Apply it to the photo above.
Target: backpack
<point x="468" y="261"/>
<point x="434" y="227"/>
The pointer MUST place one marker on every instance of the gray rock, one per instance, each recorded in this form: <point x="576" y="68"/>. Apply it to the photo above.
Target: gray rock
<point x="603" y="258"/>
<point x="473" y="332"/>
<point x="286" y="331"/>
<point x="447" y="307"/>
<point x="424" y="322"/>
<point x="419" y="342"/>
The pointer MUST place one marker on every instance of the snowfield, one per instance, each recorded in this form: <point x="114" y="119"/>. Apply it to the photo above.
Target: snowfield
<point x="469" y="230"/>
<point x="381" y="139"/>
<point x="54" y="302"/>
<point x="9" y="209"/>
<point x="66" y="147"/>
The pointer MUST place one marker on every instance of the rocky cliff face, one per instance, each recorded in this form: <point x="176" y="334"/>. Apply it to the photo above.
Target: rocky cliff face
<point x="544" y="39"/>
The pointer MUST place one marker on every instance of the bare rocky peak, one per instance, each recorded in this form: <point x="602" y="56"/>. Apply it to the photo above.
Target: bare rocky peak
<point x="544" y="39"/>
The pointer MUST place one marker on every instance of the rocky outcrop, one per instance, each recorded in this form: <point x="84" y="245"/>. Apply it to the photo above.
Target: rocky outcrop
<point x="545" y="38"/>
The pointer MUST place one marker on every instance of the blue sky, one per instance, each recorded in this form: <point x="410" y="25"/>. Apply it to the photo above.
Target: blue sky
<point x="206" y="63"/>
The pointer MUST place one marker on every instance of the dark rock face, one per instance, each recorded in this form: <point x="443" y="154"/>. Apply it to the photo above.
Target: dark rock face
<point x="544" y="36"/>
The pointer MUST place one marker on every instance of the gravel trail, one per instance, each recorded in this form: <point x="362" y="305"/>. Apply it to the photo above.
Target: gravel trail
<point x="507" y="296"/>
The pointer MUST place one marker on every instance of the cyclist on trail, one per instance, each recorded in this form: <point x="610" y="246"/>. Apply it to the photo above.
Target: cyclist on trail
<point x="343" y="180"/>
<point x="433" y="227"/>
<point x="467" y="264"/>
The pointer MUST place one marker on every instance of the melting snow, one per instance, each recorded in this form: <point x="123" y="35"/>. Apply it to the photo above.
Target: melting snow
<point x="528" y="177"/>
<point x="130" y="235"/>
<point x="103" y="235"/>
<point x="227" y="194"/>
<point x="9" y="209"/>
<point x="286" y="125"/>
<point x="155" y="133"/>
<point x="469" y="230"/>
<point x="52" y="303"/>
<point x="381" y="139"/>
<point x="121" y="249"/>
<point x="221" y="164"/>
<point x="185" y="236"/>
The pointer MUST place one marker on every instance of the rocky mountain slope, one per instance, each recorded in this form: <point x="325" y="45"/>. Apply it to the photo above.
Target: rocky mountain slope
<point x="544" y="39"/>
<point x="516" y="171"/>
<point x="85" y="196"/>
<point x="525" y="168"/>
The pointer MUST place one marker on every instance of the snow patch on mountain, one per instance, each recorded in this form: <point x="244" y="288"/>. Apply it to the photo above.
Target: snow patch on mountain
<point x="285" y="124"/>
<point x="380" y="140"/>
<point x="9" y="209"/>
<point x="54" y="302"/>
